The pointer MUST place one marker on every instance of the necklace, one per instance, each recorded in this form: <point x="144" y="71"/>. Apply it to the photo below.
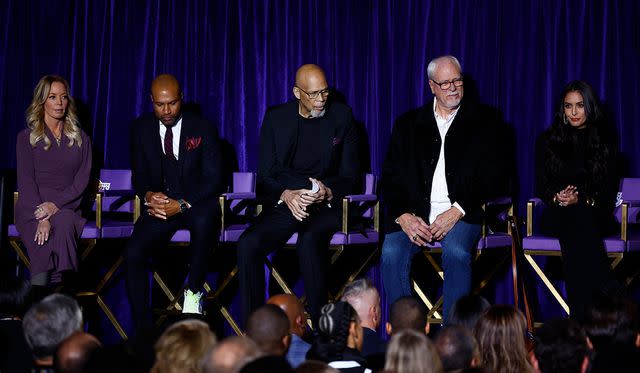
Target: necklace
<point x="58" y="138"/>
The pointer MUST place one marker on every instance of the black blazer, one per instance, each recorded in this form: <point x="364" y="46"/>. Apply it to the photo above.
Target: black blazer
<point x="471" y="163"/>
<point x="278" y="137"/>
<point x="199" y="159"/>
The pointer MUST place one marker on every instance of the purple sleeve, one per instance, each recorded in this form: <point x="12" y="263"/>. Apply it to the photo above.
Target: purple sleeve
<point x="72" y="194"/>
<point x="29" y="193"/>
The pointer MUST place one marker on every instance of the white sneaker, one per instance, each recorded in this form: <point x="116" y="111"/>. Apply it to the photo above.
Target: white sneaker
<point x="192" y="303"/>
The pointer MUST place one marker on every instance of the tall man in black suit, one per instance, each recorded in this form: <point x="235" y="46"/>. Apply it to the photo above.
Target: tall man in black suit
<point x="438" y="172"/>
<point x="308" y="162"/>
<point x="177" y="173"/>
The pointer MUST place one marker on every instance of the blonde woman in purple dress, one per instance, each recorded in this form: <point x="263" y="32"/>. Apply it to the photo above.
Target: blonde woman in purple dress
<point x="53" y="167"/>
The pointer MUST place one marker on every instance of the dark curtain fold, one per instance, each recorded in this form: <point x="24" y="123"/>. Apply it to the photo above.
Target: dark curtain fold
<point x="237" y="57"/>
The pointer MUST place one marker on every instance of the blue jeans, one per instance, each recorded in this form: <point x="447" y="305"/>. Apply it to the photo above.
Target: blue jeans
<point x="458" y="247"/>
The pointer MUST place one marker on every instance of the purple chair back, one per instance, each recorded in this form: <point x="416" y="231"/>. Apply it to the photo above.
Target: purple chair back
<point x="244" y="182"/>
<point x="116" y="180"/>
<point x="630" y="191"/>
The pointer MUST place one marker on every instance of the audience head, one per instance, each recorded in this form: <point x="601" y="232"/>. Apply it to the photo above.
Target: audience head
<point x="315" y="366"/>
<point x="578" y="106"/>
<point x="365" y="299"/>
<point x="14" y="296"/>
<point x="338" y="329"/>
<point x="412" y="351"/>
<point x="182" y="346"/>
<point x="268" y="327"/>
<point x="269" y="363"/>
<point x="445" y="81"/>
<point x="52" y="101"/>
<point x="49" y="322"/>
<point x="408" y="313"/>
<point x="467" y="310"/>
<point x="74" y="352"/>
<point x="294" y="309"/>
<point x="613" y="320"/>
<point x="500" y="333"/>
<point x="457" y="348"/>
<point x="166" y="97"/>
<point x="311" y="90"/>
<point x="561" y="346"/>
<point x="230" y="355"/>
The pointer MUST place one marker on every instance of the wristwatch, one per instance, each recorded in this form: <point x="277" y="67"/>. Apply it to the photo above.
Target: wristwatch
<point x="183" y="205"/>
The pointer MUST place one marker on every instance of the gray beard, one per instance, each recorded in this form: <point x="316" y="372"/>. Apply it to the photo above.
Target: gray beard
<point x="317" y="114"/>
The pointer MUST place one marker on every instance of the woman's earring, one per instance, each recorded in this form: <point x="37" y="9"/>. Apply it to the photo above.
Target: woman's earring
<point x="564" y="118"/>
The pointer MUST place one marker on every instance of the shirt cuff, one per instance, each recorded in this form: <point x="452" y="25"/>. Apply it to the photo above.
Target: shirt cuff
<point x="457" y="205"/>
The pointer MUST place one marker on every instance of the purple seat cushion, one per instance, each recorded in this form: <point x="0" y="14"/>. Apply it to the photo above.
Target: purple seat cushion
<point x="181" y="235"/>
<point x="90" y="231"/>
<point x="494" y="240"/>
<point x="12" y="231"/>
<point x="546" y="243"/>
<point x="356" y="238"/>
<point x="233" y="232"/>
<point x="633" y="239"/>
<point x="116" y="229"/>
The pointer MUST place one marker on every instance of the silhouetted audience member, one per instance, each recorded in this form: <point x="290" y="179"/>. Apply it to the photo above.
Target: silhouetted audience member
<point x="407" y="313"/>
<point x="269" y="363"/>
<point x="298" y="347"/>
<point x="412" y="351"/>
<point x="49" y="322"/>
<point x="268" y="327"/>
<point x="500" y="334"/>
<point x="339" y="339"/>
<point x="315" y="366"/>
<point x="457" y="348"/>
<point x="612" y="327"/>
<point x="230" y="355"/>
<point x="15" y="354"/>
<point x="365" y="299"/>
<point x="561" y="347"/>
<point x="467" y="310"/>
<point x="182" y="346"/>
<point x="74" y="352"/>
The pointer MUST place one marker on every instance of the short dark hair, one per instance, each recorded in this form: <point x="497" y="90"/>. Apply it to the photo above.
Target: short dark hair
<point x="408" y="313"/>
<point x="49" y="322"/>
<point x="14" y="296"/>
<point x="267" y="326"/>
<point x="612" y="320"/>
<point x="561" y="346"/>
<point x="456" y="346"/>
<point x="467" y="310"/>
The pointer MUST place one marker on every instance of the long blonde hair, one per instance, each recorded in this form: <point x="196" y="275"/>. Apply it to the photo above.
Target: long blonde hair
<point x="35" y="114"/>
<point x="412" y="352"/>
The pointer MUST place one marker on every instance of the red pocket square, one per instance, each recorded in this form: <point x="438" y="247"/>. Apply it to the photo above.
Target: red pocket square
<point x="193" y="142"/>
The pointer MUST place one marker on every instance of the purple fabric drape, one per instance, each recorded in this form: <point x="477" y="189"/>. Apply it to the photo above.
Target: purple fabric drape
<point x="236" y="58"/>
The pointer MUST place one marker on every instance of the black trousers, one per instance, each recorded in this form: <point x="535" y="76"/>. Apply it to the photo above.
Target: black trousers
<point x="202" y="221"/>
<point x="580" y="230"/>
<point x="271" y="231"/>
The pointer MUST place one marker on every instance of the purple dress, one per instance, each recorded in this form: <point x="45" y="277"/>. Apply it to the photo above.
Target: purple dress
<point x="59" y="175"/>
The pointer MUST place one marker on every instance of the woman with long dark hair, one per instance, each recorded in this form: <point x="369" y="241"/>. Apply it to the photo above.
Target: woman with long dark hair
<point x="577" y="179"/>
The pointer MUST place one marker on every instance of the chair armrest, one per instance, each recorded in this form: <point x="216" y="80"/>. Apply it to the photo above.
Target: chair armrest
<point x="361" y="197"/>
<point x="240" y="195"/>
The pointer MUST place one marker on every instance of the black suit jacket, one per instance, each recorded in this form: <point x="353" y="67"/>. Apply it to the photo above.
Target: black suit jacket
<point x="278" y="137"/>
<point x="472" y="168"/>
<point x="199" y="158"/>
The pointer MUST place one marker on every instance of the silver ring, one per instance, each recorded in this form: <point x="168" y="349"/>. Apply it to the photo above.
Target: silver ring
<point x="415" y="237"/>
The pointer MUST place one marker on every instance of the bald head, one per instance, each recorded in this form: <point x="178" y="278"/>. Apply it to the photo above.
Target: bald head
<point x="166" y="97"/>
<point x="230" y="354"/>
<point x="291" y="305"/>
<point x="73" y="352"/>
<point x="311" y="90"/>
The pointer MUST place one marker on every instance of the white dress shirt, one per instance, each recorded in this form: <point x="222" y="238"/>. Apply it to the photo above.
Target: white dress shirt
<point x="176" y="128"/>
<point x="440" y="201"/>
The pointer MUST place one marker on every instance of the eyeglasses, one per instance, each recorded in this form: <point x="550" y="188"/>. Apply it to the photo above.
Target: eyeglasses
<point x="447" y="83"/>
<point x="314" y="95"/>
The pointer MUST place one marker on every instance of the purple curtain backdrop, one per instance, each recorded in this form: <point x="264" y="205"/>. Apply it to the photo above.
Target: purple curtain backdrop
<point x="236" y="58"/>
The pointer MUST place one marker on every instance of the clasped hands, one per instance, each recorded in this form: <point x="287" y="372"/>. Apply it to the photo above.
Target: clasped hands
<point x="567" y="196"/>
<point x="421" y="233"/>
<point x="43" y="212"/>
<point x="160" y="206"/>
<point x="299" y="199"/>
